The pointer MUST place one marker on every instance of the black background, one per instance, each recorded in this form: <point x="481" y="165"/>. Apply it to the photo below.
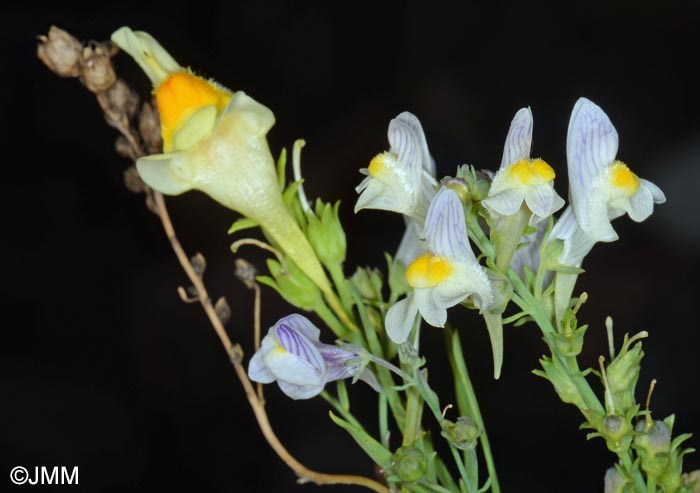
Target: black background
<point x="102" y="366"/>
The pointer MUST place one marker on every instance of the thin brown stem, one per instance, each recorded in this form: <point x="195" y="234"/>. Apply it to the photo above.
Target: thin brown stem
<point x="236" y="354"/>
<point x="256" y="325"/>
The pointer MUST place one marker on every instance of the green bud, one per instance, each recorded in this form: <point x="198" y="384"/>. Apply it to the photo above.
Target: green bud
<point x="369" y="282"/>
<point x="570" y="343"/>
<point x="292" y="284"/>
<point x="614" y="481"/>
<point x="462" y="434"/>
<point x="623" y="373"/>
<point x="326" y="234"/>
<point x="563" y="384"/>
<point x="409" y="464"/>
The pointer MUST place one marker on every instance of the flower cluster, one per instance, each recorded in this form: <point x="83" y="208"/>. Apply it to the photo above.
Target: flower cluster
<point x="442" y="268"/>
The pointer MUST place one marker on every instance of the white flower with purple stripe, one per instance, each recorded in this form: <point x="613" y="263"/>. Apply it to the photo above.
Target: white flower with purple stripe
<point x="522" y="179"/>
<point x="601" y="187"/>
<point x="402" y="179"/>
<point x="292" y="354"/>
<point x="447" y="274"/>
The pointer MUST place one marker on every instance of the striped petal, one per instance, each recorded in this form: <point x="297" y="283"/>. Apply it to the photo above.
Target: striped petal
<point x="296" y="359"/>
<point x="302" y="325"/>
<point x="410" y="121"/>
<point x="519" y="139"/>
<point x="445" y="227"/>
<point x="339" y="362"/>
<point x="591" y="147"/>
<point x="405" y="139"/>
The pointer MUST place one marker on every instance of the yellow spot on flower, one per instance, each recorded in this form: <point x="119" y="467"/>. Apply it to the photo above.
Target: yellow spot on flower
<point x="531" y="172"/>
<point x="622" y="178"/>
<point x="428" y="270"/>
<point x="179" y="96"/>
<point x="377" y="166"/>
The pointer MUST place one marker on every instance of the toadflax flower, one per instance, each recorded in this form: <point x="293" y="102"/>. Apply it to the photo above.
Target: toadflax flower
<point x="522" y="179"/>
<point x="215" y="141"/>
<point x="292" y="355"/>
<point x="601" y="187"/>
<point x="445" y="275"/>
<point x="402" y="179"/>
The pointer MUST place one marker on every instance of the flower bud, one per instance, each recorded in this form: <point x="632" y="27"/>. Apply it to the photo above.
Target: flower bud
<point x="409" y="464"/>
<point x="562" y="382"/>
<point x="622" y="374"/>
<point x="292" y="284"/>
<point x="462" y="434"/>
<point x="326" y="234"/>
<point x="369" y="282"/>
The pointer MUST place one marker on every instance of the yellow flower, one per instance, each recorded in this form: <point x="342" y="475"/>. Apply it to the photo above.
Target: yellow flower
<point x="215" y="141"/>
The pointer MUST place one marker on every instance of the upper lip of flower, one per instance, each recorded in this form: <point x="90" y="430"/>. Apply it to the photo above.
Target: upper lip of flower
<point x="602" y="188"/>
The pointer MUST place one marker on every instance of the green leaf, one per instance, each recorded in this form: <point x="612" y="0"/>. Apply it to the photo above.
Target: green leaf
<point x="373" y="448"/>
<point x="241" y="224"/>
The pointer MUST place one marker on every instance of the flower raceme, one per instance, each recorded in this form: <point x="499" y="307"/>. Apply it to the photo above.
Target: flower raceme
<point x="292" y="355"/>
<point x="522" y="179"/>
<point x="447" y="274"/>
<point x="215" y="141"/>
<point x="601" y="187"/>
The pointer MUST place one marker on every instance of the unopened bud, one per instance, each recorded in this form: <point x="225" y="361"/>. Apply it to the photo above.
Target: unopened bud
<point x="292" y="284"/>
<point x="409" y="464"/>
<point x="462" y="434"/>
<point x="326" y="234"/>
<point x="369" y="282"/>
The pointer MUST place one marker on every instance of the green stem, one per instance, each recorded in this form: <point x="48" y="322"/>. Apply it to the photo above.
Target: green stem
<point x="626" y="461"/>
<point x="329" y="318"/>
<point x="383" y="374"/>
<point x="469" y="405"/>
<point x="414" y="412"/>
<point x="341" y="284"/>
<point x="347" y="416"/>
<point x="476" y="234"/>
<point x="527" y="302"/>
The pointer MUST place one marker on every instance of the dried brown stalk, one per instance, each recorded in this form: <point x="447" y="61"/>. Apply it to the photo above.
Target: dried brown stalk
<point x="67" y="57"/>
